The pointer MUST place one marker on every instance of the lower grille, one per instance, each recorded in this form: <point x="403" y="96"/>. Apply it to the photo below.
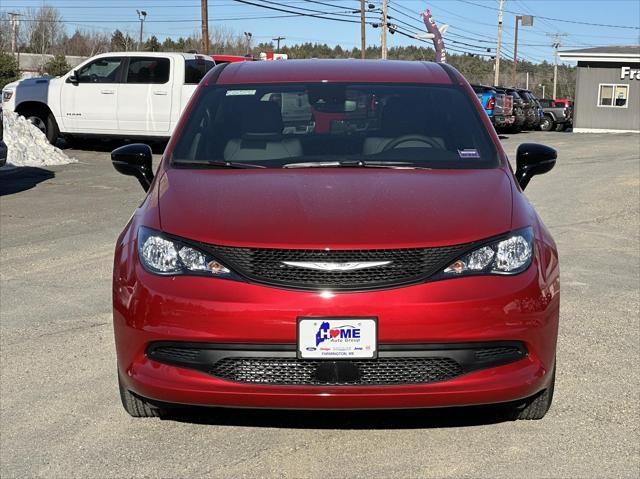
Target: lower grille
<point x="279" y="365"/>
<point x="306" y="373"/>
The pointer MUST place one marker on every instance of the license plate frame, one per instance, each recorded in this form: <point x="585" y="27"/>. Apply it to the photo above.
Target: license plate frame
<point x="340" y="347"/>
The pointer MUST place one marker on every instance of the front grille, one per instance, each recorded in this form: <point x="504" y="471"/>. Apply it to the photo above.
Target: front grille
<point x="266" y="266"/>
<point x="305" y="373"/>
<point x="279" y="365"/>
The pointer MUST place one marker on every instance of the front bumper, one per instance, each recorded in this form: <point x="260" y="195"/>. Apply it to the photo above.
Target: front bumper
<point x="148" y="309"/>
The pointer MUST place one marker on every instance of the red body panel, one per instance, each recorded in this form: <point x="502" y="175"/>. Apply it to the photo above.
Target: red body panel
<point x="338" y="209"/>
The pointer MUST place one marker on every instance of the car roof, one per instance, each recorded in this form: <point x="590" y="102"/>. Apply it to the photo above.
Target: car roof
<point x="186" y="56"/>
<point x="332" y="71"/>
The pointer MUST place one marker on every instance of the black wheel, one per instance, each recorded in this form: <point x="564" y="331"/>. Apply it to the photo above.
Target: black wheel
<point x="537" y="406"/>
<point x="136" y="406"/>
<point x="561" y="127"/>
<point x="42" y="118"/>
<point x="547" y="124"/>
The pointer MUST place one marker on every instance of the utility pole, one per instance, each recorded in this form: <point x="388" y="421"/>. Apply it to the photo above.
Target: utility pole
<point x="556" y="44"/>
<point x="363" y="41"/>
<point x="383" y="31"/>
<point x="496" y="77"/>
<point x="277" y="39"/>
<point x="204" y="14"/>
<point x="142" y="16"/>
<point x="14" y="31"/>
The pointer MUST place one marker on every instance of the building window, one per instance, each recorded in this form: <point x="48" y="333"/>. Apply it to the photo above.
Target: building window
<point x="615" y="96"/>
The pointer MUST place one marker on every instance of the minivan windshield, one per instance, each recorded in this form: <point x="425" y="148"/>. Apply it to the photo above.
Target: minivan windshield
<point x="328" y="124"/>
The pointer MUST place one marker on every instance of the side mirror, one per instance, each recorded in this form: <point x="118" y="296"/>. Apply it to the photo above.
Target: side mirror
<point x="73" y="78"/>
<point x="533" y="159"/>
<point x="134" y="160"/>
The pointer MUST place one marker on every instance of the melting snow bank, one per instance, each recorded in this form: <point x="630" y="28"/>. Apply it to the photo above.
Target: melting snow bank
<point x="27" y="144"/>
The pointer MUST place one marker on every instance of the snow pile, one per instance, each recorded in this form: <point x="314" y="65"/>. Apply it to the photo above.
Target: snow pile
<point x="27" y="144"/>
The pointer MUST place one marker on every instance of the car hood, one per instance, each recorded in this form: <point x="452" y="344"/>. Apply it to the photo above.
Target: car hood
<point x="335" y="208"/>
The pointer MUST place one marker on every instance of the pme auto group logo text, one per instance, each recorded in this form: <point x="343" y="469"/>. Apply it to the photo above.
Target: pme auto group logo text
<point x="342" y="333"/>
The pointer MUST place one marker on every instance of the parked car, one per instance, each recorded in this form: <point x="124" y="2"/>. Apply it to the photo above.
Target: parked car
<point x="126" y="94"/>
<point x="532" y="110"/>
<point x="504" y="117"/>
<point x="3" y="146"/>
<point x="386" y="258"/>
<point x="557" y="115"/>
<point x="564" y="102"/>
<point x="487" y="97"/>
<point x="219" y="59"/>
<point x="519" y="112"/>
<point x="497" y="105"/>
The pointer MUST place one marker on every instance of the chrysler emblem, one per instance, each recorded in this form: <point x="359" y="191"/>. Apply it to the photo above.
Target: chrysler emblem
<point x="336" y="266"/>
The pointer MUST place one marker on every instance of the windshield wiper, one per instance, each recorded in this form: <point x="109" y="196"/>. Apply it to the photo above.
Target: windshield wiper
<point x="355" y="164"/>
<point x="214" y="164"/>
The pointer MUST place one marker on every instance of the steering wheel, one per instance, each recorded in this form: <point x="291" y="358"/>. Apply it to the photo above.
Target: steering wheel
<point x="94" y="78"/>
<point x="409" y="138"/>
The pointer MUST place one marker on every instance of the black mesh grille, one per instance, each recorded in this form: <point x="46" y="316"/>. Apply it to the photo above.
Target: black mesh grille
<point x="266" y="265"/>
<point x="497" y="353"/>
<point x="292" y="371"/>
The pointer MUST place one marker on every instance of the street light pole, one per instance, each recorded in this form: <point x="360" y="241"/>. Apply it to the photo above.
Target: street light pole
<point x="248" y="36"/>
<point x="527" y="21"/>
<point x="142" y="16"/>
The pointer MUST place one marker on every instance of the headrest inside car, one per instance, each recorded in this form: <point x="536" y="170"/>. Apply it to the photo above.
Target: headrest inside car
<point x="262" y="120"/>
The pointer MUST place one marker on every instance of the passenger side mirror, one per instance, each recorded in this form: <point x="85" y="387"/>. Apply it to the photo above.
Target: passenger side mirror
<point x="134" y="160"/>
<point x="73" y="78"/>
<point x="533" y="159"/>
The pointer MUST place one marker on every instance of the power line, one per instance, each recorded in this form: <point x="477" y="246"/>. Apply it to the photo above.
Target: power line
<point x="556" y="19"/>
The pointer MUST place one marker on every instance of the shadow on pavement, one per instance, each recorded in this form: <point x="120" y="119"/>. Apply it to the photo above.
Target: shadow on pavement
<point x="107" y="145"/>
<point x="326" y="419"/>
<point x="22" y="178"/>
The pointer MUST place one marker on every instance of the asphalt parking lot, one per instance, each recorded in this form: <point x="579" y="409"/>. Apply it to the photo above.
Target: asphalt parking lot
<point x="61" y="414"/>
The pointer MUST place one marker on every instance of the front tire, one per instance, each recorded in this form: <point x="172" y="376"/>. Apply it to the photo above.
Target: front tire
<point x="136" y="406"/>
<point x="536" y="407"/>
<point x="43" y="119"/>
<point x="547" y="124"/>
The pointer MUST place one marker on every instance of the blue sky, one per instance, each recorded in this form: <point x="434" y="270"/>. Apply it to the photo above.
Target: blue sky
<point x="473" y="23"/>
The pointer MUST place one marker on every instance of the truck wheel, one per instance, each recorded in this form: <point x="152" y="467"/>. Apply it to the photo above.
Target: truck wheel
<point x="43" y="120"/>
<point x="547" y="124"/>
<point x="136" y="406"/>
<point x="561" y="127"/>
<point x="537" y="406"/>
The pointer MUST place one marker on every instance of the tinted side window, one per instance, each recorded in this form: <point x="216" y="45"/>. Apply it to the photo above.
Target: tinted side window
<point x="103" y="70"/>
<point x="195" y="69"/>
<point x="148" y="70"/>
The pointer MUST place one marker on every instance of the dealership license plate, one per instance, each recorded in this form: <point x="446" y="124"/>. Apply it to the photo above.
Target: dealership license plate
<point x="337" y="338"/>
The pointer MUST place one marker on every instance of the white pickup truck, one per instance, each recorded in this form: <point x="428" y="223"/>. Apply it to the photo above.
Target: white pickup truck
<point x="130" y="94"/>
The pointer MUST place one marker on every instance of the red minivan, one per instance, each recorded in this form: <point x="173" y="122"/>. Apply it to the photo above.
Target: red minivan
<point x="335" y="234"/>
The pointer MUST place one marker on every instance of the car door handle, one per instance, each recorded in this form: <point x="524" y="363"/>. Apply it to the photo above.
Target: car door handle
<point x="107" y="92"/>
<point x="160" y="92"/>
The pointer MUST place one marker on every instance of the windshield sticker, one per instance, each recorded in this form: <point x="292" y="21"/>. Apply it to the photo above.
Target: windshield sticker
<point x="468" y="154"/>
<point x="240" y="92"/>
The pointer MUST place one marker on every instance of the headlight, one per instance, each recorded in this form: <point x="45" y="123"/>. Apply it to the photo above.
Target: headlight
<point x="510" y="255"/>
<point x="6" y="95"/>
<point x="168" y="256"/>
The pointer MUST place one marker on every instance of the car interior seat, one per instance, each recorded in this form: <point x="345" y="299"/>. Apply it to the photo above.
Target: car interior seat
<point x="261" y="136"/>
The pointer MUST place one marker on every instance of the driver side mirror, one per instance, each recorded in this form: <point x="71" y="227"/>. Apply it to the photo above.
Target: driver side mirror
<point x="134" y="160"/>
<point x="73" y="78"/>
<point x="533" y="159"/>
